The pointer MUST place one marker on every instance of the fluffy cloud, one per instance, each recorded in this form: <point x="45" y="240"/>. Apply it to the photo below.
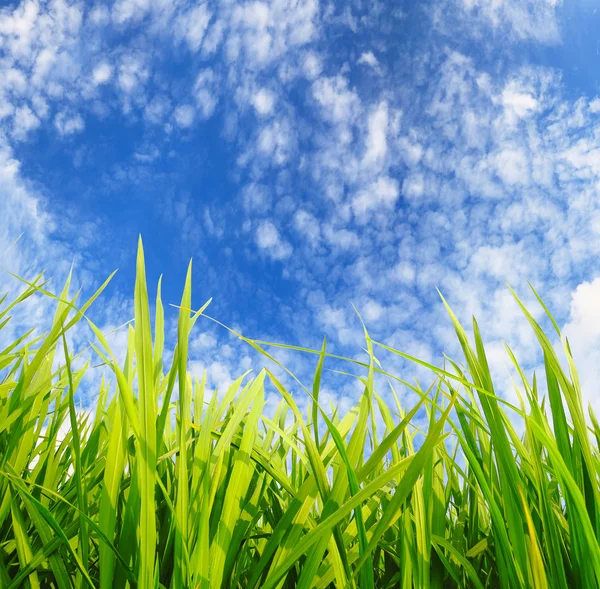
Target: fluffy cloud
<point x="583" y="333"/>
<point x="368" y="58"/>
<point x="269" y="240"/>
<point x="382" y="193"/>
<point x="376" y="142"/>
<point x="24" y="122"/>
<point x="68" y="123"/>
<point x="193" y="25"/>
<point x="263" y="101"/>
<point x="102" y="73"/>
<point x="184" y="115"/>
<point x="308" y="225"/>
<point x="338" y="101"/>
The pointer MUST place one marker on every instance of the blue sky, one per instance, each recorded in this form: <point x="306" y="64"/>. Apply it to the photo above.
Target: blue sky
<point x="309" y="156"/>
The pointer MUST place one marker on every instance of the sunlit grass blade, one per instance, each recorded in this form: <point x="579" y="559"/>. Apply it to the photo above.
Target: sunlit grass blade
<point x="147" y="434"/>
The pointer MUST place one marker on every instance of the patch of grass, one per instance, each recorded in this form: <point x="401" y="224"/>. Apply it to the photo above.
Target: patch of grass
<point x="168" y="484"/>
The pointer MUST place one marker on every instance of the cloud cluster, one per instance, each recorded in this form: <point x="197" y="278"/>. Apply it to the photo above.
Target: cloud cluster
<point x="366" y="180"/>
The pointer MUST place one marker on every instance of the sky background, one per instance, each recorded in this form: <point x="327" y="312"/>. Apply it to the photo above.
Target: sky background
<point x="309" y="156"/>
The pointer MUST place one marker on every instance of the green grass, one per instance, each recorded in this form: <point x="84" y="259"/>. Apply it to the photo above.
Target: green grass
<point x="169" y="484"/>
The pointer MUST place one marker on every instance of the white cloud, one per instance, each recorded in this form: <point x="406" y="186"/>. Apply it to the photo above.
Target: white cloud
<point x="512" y="166"/>
<point x="99" y="15"/>
<point x="253" y="20"/>
<point x="382" y="193"/>
<point x="256" y="198"/>
<point x="522" y="104"/>
<point x="340" y="239"/>
<point x="213" y="223"/>
<point x="339" y="104"/>
<point x="193" y="25"/>
<point x="413" y="186"/>
<point x="203" y="341"/>
<point x="132" y="73"/>
<point x="24" y="122"/>
<point x="498" y="168"/>
<point x="261" y="33"/>
<point x="585" y="315"/>
<point x="206" y="92"/>
<point x="584" y="157"/>
<point x="506" y="262"/>
<point x="521" y="20"/>
<point x="147" y="155"/>
<point x="158" y="109"/>
<point x="68" y="123"/>
<point x="411" y="151"/>
<point x="15" y="80"/>
<point x="466" y="220"/>
<point x="129" y="10"/>
<point x="6" y="109"/>
<point x="404" y="272"/>
<point x="274" y="141"/>
<point x="368" y="58"/>
<point x="184" y="115"/>
<point x="372" y="311"/>
<point x="312" y="65"/>
<point x="263" y="101"/>
<point x="336" y="317"/>
<point x="269" y="239"/>
<point x="43" y="62"/>
<point x="24" y="210"/>
<point x="583" y="332"/>
<point x="102" y="73"/>
<point x="308" y="225"/>
<point x="376" y="142"/>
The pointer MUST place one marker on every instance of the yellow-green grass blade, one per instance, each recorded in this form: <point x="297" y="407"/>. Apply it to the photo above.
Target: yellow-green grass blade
<point x="366" y="572"/>
<point x="180" y="576"/>
<point x="440" y="542"/>
<point x="311" y="449"/>
<point x="329" y="501"/>
<point x="109" y="498"/>
<point x="316" y="387"/>
<point x="572" y="394"/>
<point x="59" y="534"/>
<point x="83" y="548"/>
<point x="237" y="489"/>
<point x="159" y="335"/>
<point x="548" y="521"/>
<point x="508" y="573"/>
<point x="582" y="531"/>
<point x="125" y="386"/>
<point x="408" y="481"/>
<point x="56" y="560"/>
<point x="402" y="490"/>
<point x="509" y="474"/>
<point x="46" y="514"/>
<point x="23" y="544"/>
<point x="536" y="562"/>
<point x="147" y="433"/>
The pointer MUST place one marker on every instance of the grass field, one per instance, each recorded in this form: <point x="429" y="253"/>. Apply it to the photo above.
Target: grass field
<point x="224" y="496"/>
